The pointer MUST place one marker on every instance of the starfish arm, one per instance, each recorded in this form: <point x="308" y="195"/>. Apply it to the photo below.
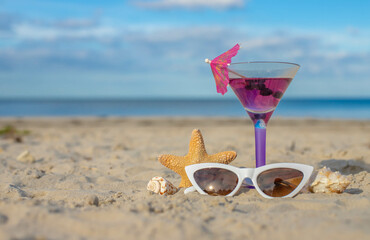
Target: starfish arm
<point x="196" y="145"/>
<point x="222" y="157"/>
<point x="185" y="182"/>
<point x="175" y="163"/>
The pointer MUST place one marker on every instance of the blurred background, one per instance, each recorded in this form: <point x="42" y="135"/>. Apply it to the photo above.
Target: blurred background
<point x="128" y="58"/>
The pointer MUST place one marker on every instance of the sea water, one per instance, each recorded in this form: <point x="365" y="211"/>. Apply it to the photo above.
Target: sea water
<point x="222" y="106"/>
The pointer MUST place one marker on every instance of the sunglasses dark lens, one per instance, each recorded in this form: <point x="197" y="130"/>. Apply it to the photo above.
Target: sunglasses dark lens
<point x="279" y="182"/>
<point x="216" y="181"/>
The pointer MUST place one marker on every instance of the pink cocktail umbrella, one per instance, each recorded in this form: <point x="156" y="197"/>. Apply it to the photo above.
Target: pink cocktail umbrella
<point x="219" y="68"/>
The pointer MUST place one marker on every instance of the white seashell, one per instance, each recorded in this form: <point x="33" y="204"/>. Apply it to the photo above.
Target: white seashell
<point x="327" y="181"/>
<point x="26" y="157"/>
<point x="161" y="186"/>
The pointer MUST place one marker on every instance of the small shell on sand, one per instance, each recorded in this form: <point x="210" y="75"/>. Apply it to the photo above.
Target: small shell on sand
<point x="327" y="181"/>
<point x="93" y="200"/>
<point x="161" y="186"/>
<point x="26" y="157"/>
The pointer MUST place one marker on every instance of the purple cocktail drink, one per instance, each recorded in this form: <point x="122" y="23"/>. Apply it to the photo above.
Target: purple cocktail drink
<point x="259" y="96"/>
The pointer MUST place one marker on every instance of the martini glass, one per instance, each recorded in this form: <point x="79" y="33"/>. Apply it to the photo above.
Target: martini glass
<point x="259" y="87"/>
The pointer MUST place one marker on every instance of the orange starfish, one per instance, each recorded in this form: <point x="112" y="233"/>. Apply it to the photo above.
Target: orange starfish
<point x="197" y="154"/>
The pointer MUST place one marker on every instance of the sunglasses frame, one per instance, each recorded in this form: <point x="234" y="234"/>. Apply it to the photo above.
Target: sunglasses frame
<point x="251" y="173"/>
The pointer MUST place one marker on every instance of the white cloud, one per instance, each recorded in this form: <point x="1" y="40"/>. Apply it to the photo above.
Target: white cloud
<point x="26" y="31"/>
<point x="191" y="4"/>
<point x="163" y="50"/>
<point x="185" y="44"/>
<point x="77" y="23"/>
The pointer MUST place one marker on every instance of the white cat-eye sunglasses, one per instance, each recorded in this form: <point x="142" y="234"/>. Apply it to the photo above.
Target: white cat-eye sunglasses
<point x="271" y="181"/>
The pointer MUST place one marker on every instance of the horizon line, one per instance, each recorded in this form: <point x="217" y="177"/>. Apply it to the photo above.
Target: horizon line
<point x="165" y="98"/>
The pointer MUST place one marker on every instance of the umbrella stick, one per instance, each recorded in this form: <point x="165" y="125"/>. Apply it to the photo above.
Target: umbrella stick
<point x="236" y="73"/>
<point x="209" y="61"/>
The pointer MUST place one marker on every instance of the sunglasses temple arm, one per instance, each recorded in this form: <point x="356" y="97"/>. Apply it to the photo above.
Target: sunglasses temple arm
<point x="189" y="190"/>
<point x="260" y="140"/>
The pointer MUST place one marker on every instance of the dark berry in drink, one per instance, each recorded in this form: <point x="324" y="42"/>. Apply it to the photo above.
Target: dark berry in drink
<point x="254" y="85"/>
<point x="249" y="86"/>
<point x="266" y="92"/>
<point x="261" y="86"/>
<point x="277" y="94"/>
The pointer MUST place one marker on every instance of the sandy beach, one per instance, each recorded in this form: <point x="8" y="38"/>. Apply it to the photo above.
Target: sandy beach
<point x="89" y="175"/>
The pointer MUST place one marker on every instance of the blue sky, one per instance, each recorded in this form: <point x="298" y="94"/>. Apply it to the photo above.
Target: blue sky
<point x="144" y="49"/>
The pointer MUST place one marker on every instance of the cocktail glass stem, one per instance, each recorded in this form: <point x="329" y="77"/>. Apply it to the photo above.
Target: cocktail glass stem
<point x="260" y="141"/>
